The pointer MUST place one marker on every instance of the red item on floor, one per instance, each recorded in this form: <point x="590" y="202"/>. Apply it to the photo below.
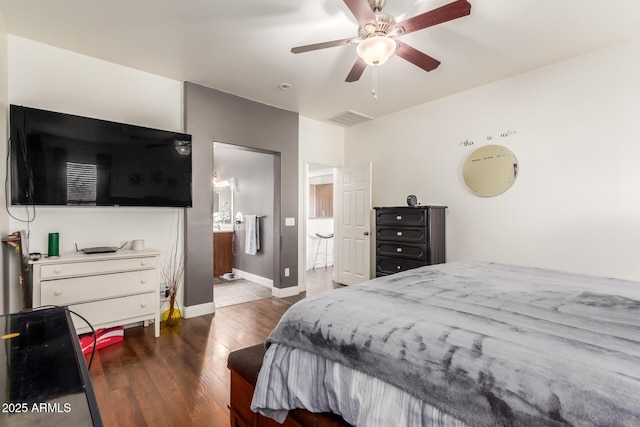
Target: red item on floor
<point x="104" y="338"/>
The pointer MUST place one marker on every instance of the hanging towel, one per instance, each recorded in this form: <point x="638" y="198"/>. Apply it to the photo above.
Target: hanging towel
<point x="252" y="237"/>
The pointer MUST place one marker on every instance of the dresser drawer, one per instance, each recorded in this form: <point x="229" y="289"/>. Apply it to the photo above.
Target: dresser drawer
<point x="415" y="251"/>
<point x="115" y="311"/>
<point x="73" y="269"/>
<point x="81" y="289"/>
<point x="403" y="217"/>
<point x="402" y="234"/>
<point x="387" y="265"/>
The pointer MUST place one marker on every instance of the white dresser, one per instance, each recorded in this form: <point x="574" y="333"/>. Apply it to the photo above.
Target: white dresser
<point x="111" y="289"/>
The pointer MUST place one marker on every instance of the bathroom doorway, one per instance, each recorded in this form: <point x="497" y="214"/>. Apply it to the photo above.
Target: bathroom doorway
<point x="245" y="209"/>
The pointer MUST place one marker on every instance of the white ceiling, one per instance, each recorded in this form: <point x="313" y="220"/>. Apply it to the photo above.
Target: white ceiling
<point x="243" y="46"/>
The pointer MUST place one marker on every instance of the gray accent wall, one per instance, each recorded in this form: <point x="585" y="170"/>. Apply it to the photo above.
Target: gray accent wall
<point x="212" y="115"/>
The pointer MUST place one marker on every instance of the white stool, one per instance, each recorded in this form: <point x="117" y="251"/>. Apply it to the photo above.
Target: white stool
<point x="326" y="238"/>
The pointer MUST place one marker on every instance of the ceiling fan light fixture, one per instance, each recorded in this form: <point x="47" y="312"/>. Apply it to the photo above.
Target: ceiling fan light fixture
<point x="376" y="50"/>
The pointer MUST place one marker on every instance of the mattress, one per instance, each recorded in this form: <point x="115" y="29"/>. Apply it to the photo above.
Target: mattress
<point x="481" y="344"/>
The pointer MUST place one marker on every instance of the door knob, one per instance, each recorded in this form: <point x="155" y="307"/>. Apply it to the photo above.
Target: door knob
<point x="366" y="233"/>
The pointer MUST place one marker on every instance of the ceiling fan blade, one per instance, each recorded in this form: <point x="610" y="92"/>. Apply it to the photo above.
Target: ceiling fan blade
<point x="356" y="70"/>
<point x="324" y="45"/>
<point x="416" y="57"/>
<point x="454" y="10"/>
<point x="361" y="10"/>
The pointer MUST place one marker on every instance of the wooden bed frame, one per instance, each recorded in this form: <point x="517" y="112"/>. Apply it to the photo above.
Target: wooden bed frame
<point x="245" y="365"/>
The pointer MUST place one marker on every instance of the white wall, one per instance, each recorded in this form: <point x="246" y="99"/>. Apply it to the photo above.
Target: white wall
<point x="575" y="205"/>
<point x="4" y="218"/>
<point x="47" y="77"/>
<point x="320" y="143"/>
<point x="4" y="222"/>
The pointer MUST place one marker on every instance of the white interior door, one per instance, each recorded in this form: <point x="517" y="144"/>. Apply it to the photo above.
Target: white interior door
<point x="354" y="224"/>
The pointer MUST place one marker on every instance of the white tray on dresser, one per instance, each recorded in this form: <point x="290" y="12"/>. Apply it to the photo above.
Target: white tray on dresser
<point x="108" y="289"/>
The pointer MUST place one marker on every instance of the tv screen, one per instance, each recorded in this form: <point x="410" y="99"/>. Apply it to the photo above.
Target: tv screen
<point x="63" y="159"/>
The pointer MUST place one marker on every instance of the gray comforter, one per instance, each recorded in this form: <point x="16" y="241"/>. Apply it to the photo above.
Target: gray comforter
<point x="489" y="344"/>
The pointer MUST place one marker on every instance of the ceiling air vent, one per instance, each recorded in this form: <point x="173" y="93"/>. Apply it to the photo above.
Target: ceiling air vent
<point x="350" y="118"/>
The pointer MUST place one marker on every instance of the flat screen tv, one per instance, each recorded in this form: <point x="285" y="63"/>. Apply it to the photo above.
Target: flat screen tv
<point x="62" y="159"/>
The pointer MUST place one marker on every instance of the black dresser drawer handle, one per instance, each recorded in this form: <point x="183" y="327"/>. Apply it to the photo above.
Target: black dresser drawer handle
<point x="399" y="234"/>
<point x="399" y="217"/>
<point x="398" y="250"/>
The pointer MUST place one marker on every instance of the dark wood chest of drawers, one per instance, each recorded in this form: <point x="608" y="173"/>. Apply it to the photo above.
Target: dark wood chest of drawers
<point x="409" y="237"/>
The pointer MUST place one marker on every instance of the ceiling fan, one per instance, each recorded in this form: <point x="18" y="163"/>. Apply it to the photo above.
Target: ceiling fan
<point x="377" y="30"/>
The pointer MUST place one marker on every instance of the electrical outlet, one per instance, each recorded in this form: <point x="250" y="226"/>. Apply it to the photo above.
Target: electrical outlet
<point x="163" y="289"/>
<point x="286" y="272"/>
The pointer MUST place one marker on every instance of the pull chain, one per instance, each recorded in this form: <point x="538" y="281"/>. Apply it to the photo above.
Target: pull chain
<point x="374" y="91"/>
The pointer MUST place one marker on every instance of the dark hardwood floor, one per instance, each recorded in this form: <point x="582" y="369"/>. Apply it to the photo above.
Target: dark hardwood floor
<point x="181" y="378"/>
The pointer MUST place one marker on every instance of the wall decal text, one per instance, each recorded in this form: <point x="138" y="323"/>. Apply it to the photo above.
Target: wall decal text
<point x="504" y="134"/>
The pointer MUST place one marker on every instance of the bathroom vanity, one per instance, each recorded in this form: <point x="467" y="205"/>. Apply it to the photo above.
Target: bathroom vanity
<point x="222" y="252"/>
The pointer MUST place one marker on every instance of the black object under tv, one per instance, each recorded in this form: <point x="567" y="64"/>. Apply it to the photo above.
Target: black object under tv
<point x="63" y="159"/>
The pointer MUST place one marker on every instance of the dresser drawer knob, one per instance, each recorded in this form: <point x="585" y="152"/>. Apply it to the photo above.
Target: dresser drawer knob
<point x="57" y="270"/>
<point x="398" y="250"/>
<point x="143" y="281"/>
<point x="143" y="305"/>
<point x="399" y="217"/>
<point x="57" y="292"/>
<point x="143" y="263"/>
<point x="398" y="267"/>
<point x="399" y="234"/>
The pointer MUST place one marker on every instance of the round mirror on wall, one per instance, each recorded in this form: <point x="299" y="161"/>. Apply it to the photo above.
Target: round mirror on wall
<point x="490" y="170"/>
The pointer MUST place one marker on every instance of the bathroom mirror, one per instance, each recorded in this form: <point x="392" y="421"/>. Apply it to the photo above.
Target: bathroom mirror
<point x="223" y="204"/>
<point x="490" y="170"/>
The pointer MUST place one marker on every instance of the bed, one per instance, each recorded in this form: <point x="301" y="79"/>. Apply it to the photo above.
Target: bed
<point x="464" y="343"/>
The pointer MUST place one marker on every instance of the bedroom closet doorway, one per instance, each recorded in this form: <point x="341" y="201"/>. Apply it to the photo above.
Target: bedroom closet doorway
<point x="245" y="205"/>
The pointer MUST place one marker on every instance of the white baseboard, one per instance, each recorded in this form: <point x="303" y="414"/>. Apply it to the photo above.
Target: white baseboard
<point x="285" y="292"/>
<point x="199" y="310"/>
<point x="276" y="292"/>
<point x="253" y="278"/>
